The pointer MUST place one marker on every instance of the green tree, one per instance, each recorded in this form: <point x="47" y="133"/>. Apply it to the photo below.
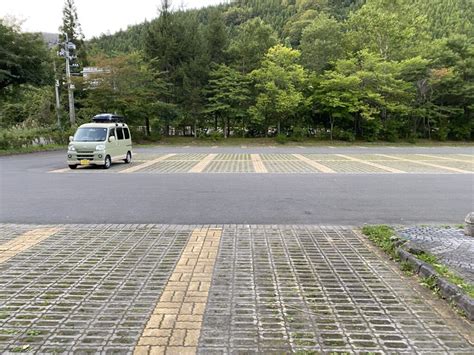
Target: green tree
<point x="72" y="28"/>
<point x="280" y="83"/>
<point x="322" y="43"/>
<point x="394" y="29"/>
<point x="24" y="59"/>
<point x="252" y="41"/>
<point x="227" y="96"/>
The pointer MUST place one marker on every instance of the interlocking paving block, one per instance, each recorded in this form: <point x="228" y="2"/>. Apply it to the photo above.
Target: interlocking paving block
<point x="468" y="166"/>
<point x="12" y="231"/>
<point x="277" y="157"/>
<point x="279" y="289"/>
<point x="230" y="166"/>
<point x="170" y="166"/>
<point x="413" y="167"/>
<point x="325" y="157"/>
<point x="450" y="245"/>
<point x="188" y="156"/>
<point x="466" y="157"/>
<point x="288" y="166"/>
<point x="352" y="167"/>
<point x="369" y="157"/>
<point x="232" y="157"/>
<point x="88" y="288"/>
<point x="94" y="288"/>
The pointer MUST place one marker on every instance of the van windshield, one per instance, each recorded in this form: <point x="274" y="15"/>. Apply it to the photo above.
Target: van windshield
<point x="90" y="134"/>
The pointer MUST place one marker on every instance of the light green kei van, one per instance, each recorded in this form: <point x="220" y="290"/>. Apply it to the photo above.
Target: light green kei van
<point x="104" y="141"/>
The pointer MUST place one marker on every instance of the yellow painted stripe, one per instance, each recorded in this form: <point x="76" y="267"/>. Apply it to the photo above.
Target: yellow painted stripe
<point x="202" y="164"/>
<point x="145" y="165"/>
<point x="444" y="158"/>
<point x="258" y="164"/>
<point x="318" y="166"/>
<point x="175" y="325"/>
<point x="15" y="246"/>
<point x="383" y="167"/>
<point x="426" y="164"/>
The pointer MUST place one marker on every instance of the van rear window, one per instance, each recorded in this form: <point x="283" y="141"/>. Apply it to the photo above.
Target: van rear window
<point x="127" y="133"/>
<point x="119" y="133"/>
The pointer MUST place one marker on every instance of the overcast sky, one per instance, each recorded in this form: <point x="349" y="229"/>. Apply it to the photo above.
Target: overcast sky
<point x="95" y="16"/>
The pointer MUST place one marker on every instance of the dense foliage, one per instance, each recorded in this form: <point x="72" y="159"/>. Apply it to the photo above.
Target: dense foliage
<point x="342" y="69"/>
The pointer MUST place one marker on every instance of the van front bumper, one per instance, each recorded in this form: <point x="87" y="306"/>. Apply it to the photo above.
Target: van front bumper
<point x="93" y="158"/>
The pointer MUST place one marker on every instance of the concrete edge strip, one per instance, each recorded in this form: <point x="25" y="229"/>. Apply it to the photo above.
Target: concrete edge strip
<point x="318" y="166"/>
<point x="175" y="324"/>
<point x="258" y="164"/>
<point x="426" y="164"/>
<point x="445" y="158"/>
<point x="448" y="290"/>
<point x="25" y="241"/>
<point x="375" y="165"/>
<point x="145" y="165"/>
<point x="202" y="164"/>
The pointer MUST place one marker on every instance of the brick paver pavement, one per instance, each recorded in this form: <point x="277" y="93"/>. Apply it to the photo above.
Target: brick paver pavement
<point x="98" y="288"/>
<point x="291" y="164"/>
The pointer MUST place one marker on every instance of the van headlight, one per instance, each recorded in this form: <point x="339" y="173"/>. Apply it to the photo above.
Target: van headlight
<point x="100" y="147"/>
<point x="71" y="148"/>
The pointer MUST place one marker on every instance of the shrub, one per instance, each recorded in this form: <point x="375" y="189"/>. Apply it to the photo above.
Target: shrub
<point x="298" y="134"/>
<point x="281" y="139"/>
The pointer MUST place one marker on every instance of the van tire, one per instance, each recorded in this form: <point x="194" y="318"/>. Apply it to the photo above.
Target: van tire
<point x="128" y="158"/>
<point x="107" y="162"/>
<point x="72" y="166"/>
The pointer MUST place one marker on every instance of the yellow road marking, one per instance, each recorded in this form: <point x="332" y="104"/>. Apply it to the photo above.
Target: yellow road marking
<point x="145" y="165"/>
<point x="320" y="167"/>
<point x="383" y="167"/>
<point x="175" y="325"/>
<point x="11" y="248"/>
<point x="258" y="163"/>
<point x="426" y="164"/>
<point x="202" y="164"/>
<point x="443" y="158"/>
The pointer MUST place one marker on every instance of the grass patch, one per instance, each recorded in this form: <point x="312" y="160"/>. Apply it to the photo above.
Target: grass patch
<point x="309" y="142"/>
<point x="381" y="236"/>
<point x="32" y="149"/>
<point x="449" y="275"/>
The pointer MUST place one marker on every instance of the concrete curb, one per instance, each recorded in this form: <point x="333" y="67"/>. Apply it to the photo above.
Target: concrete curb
<point x="448" y="290"/>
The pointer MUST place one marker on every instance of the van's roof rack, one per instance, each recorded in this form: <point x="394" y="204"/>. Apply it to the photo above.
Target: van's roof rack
<point x="107" y="118"/>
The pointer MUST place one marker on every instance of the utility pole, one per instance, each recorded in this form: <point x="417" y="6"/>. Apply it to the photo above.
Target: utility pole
<point x="70" y="86"/>
<point x="56" y="91"/>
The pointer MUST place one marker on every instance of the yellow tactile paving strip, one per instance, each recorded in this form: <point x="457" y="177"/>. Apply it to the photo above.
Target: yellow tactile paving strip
<point x="15" y="246"/>
<point x="175" y="325"/>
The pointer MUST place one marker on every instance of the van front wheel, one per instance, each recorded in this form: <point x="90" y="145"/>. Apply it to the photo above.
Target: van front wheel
<point x="108" y="162"/>
<point x="128" y="158"/>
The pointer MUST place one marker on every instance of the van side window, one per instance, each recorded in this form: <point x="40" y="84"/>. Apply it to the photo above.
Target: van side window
<point x="112" y="132"/>
<point x="127" y="133"/>
<point x="119" y="133"/>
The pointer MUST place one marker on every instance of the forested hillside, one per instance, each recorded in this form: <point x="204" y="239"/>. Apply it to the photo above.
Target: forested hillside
<point x="331" y="69"/>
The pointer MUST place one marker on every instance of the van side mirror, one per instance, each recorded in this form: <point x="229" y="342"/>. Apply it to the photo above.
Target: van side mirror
<point x="71" y="138"/>
<point x="111" y="139"/>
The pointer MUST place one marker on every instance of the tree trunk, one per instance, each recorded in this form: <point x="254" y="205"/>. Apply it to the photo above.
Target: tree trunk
<point x="147" y="125"/>
<point x="215" y="122"/>
<point x="279" y="131"/>
<point x="228" y="127"/>
<point x="331" y="121"/>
